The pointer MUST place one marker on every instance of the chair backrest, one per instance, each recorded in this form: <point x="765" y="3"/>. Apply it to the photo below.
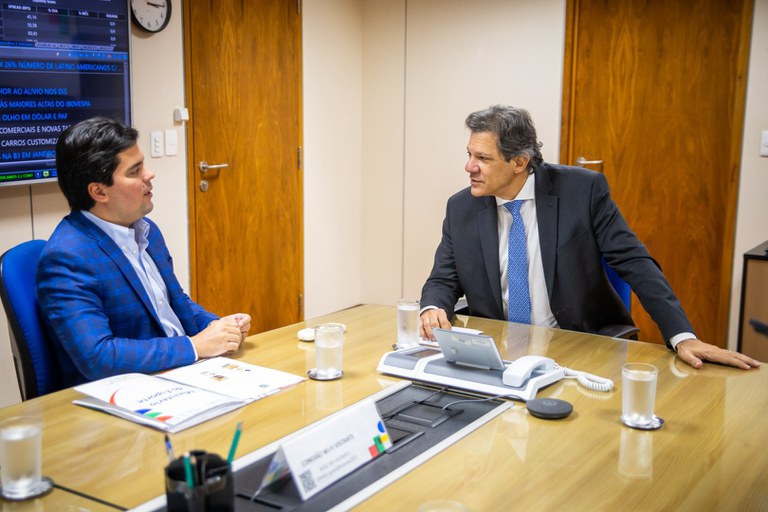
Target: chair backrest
<point x="34" y="355"/>
<point x="620" y="285"/>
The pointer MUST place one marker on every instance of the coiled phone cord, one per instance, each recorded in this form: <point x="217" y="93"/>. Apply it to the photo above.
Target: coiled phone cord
<point x="589" y="381"/>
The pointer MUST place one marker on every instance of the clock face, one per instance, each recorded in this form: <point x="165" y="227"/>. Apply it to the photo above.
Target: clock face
<point x="151" y="15"/>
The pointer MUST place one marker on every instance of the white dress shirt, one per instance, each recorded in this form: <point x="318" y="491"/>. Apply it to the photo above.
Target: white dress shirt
<point x="541" y="313"/>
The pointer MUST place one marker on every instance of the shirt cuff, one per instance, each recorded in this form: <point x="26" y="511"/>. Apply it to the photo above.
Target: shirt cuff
<point x="674" y="340"/>
<point x="426" y="308"/>
<point x="193" y="347"/>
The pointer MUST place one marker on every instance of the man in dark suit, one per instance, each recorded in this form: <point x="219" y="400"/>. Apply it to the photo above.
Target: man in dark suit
<point x="567" y="221"/>
<point x="105" y="280"/>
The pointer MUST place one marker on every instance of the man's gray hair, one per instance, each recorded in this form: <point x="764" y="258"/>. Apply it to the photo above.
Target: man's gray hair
<point x="513" y="128"/>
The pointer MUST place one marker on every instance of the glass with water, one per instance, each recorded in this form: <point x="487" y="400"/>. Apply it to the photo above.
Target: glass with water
<point x="329" y="341"/>
<point x="407" y="323"/>
<point x="21" y="459"/>
<point x="639" y="395"/>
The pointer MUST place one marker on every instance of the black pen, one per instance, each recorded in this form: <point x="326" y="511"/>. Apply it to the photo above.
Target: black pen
<point x="169" y="449"/>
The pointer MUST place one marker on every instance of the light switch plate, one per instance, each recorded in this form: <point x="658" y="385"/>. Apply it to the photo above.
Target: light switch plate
<point x="156" y="144"/>
<point x="171" y="143"/>
<point x="764" y="143"/>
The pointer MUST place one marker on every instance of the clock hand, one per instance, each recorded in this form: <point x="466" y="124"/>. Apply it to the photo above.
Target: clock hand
<point x="155" y="5"/>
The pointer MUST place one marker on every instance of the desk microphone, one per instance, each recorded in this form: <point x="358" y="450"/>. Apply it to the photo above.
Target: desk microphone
<point x="549" y="408"/>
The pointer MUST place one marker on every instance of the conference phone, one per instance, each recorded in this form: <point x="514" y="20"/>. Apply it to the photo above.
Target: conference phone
<point x="472" y="362"/>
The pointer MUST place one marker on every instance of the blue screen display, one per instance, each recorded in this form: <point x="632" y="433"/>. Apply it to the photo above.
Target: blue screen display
<point x="61" y="61"/>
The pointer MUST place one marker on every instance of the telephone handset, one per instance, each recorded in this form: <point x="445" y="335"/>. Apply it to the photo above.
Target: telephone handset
<point x="522" y="369"/>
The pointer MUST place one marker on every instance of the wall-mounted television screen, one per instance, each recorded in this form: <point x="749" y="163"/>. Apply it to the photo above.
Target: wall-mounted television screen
<point x="61" y="61"/>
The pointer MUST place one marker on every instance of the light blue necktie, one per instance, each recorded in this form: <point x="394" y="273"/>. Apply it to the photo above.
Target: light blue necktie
<point x="517" y="267"/>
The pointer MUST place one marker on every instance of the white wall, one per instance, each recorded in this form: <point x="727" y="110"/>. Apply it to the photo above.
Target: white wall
<point x="462" y="57"/>
<point x="383" y="173"/>
<point x="752" y="211"/>
<point x="427" y="64"/>
<point x="332" y="58"/>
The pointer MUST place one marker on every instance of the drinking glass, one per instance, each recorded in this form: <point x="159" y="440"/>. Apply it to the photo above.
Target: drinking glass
<point x="407" y="323"/>
<point x="21" y="458"/>
<point x="638" y="395"/>
<point x="329" y="342"/>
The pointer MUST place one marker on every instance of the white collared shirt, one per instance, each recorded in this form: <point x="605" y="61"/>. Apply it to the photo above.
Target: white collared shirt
<point x="133" y="242"/>
<point x="541" y="312"/>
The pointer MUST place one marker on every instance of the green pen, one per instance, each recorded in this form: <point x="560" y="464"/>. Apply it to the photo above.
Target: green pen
<point x="235" y="440"/>
<point x="188" y="471"/>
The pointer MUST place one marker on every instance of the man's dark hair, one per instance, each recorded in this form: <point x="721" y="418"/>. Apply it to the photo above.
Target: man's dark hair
<point x="87" y="152"/>
<point x="513" y="128"/>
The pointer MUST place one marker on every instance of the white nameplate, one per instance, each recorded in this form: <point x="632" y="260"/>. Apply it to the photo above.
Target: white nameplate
<point x="319" y="457"/>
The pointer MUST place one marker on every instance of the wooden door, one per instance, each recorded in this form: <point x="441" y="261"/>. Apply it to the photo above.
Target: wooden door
<point x="243" y="80"/>
<point x="655" y="89"/>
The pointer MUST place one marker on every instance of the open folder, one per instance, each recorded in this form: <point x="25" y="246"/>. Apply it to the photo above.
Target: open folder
<point x="185" y="396"/>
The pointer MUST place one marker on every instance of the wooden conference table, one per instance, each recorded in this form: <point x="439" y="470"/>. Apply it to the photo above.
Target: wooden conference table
<point x="709" y="455"/>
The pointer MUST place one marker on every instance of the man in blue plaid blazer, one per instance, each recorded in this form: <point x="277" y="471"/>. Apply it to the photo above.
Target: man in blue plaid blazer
<point x="105" y="280"/>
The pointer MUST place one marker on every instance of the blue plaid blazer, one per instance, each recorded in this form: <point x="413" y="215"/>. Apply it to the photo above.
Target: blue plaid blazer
<point x="97" y="310"/>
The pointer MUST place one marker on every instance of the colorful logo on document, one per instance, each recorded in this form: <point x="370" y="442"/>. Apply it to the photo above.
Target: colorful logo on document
<point x="148" y="412"/>
<point x="380" y="442"/>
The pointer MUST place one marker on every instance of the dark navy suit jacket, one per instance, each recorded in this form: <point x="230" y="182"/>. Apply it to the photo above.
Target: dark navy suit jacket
<point x="97" y="310"/>
<point x="578" y="222"/>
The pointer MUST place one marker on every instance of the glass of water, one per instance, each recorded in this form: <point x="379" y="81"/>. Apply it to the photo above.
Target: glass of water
<point x="21" y="458"/>
<point x="638" y="396"/>
<point x="329" y="342"/>
<point x="407" y="323"/>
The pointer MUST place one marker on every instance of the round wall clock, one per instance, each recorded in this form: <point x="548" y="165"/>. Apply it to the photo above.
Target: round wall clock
<point x="151" y="15"/>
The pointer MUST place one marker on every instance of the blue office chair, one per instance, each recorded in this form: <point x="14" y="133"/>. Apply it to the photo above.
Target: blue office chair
<point x="34" y="355"/>
<point x="621" y="286"/>
<point x="625" y="293"/>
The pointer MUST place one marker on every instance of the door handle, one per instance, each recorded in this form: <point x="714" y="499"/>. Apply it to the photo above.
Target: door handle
<point x="583" y="161"/>
<point x="205" y="166"/>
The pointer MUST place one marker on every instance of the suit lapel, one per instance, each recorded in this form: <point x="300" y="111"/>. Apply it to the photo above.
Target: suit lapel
<point x="487" y="225"/>
<point x="156" y="251"/>
<point x="114" y="253"/>
<point x="546" y="214"/>
<point x="157" y="255"/>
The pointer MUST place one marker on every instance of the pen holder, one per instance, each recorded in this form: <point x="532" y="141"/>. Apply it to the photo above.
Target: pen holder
<point x="213" y="489"/>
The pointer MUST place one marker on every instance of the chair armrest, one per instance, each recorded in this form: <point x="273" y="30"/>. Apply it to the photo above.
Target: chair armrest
<point x="628" y="332"/>
<point x="461" y="307"/>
